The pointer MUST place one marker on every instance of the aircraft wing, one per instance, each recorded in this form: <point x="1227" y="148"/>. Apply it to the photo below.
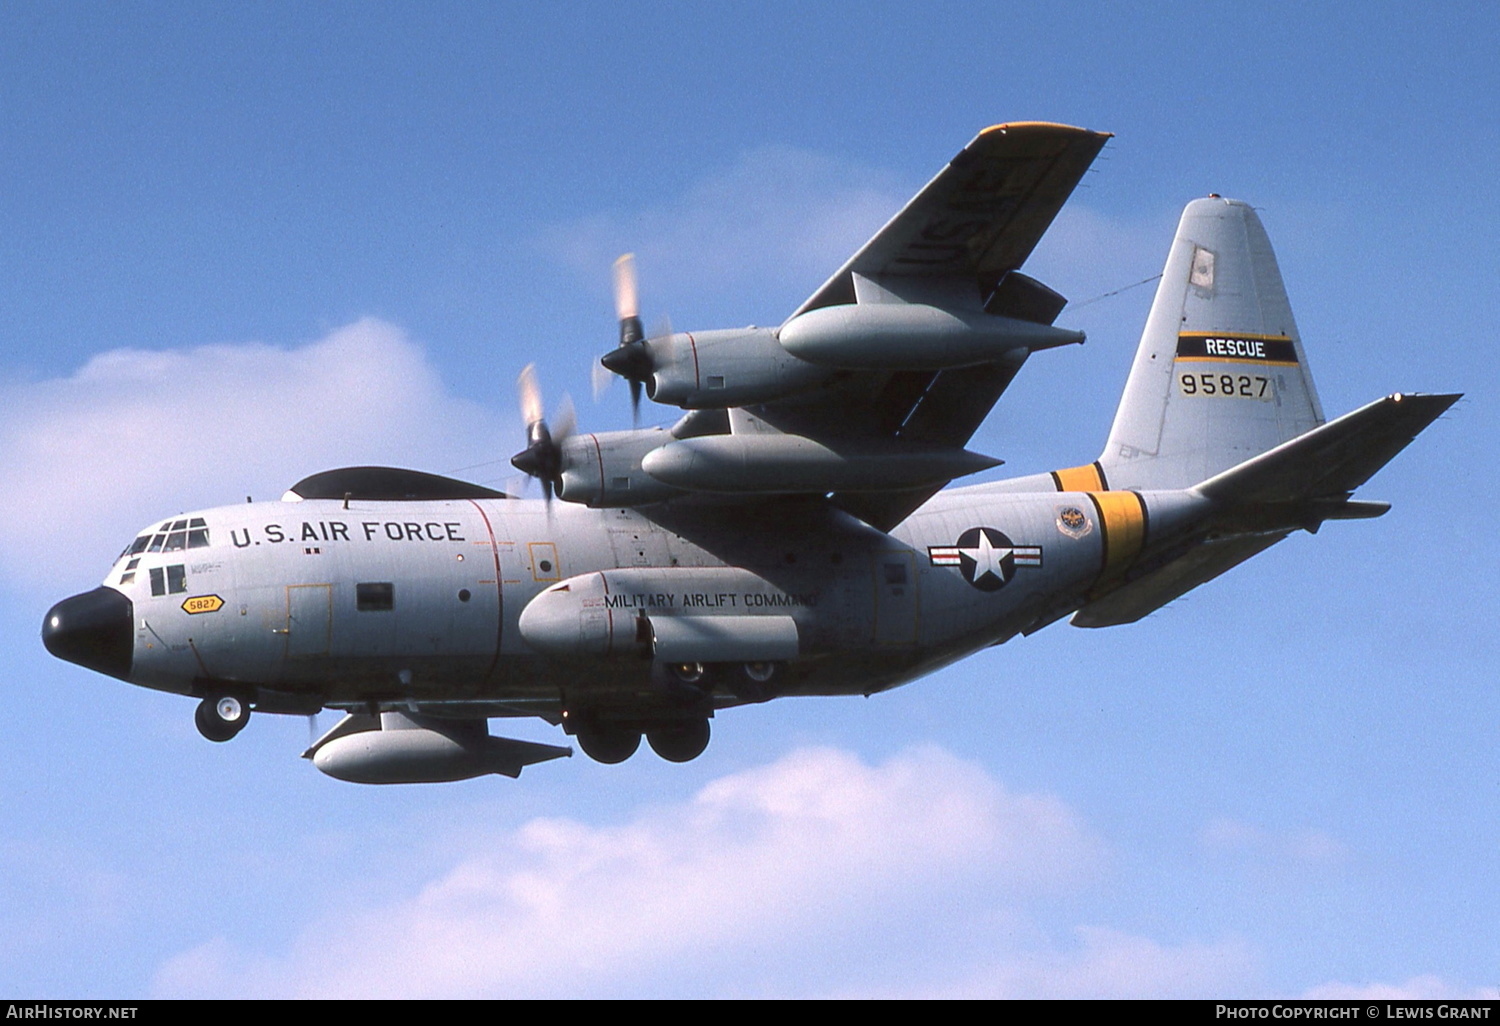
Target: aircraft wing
<point x="958" y="245"/>
<point x="870" y="391"/>
<point x="942" y="408"/>
<point x="980" y="217"/>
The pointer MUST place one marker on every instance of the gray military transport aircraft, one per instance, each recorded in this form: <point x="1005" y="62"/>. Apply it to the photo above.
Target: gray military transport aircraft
<point x="789" y="535"/>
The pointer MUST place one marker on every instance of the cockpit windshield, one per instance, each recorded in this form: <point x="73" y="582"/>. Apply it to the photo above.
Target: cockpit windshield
<point x="171" y="536"/>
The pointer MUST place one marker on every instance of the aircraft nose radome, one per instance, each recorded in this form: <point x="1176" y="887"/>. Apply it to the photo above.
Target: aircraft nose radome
<point x="94" y="630"/>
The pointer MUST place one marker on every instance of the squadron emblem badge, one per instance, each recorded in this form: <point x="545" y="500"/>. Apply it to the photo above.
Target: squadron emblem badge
<point x="1072" y="522"/>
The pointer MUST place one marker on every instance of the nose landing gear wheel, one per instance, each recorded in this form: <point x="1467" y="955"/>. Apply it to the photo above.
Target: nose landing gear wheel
<point x="681" y="742"/>
<point x="221" y="717"/>
<point x="609" y="745"/>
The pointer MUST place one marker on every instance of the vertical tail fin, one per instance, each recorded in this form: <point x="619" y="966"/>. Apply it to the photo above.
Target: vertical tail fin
<point x="1220" y="375"/>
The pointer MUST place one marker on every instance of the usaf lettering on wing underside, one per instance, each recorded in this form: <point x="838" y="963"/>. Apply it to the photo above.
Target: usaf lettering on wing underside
<point x="791" y="533"/>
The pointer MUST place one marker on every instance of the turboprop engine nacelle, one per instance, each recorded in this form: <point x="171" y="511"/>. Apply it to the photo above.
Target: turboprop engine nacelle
<point x="718" y="369"/>
<point x="604" y="470"/>
<point x="671" y="614"/>
<point x="912" y="336"/>
<point x="401" y="748"/>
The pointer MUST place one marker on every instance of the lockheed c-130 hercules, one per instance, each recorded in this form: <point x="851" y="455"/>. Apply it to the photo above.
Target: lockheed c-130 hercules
<point x="790" y="534"/>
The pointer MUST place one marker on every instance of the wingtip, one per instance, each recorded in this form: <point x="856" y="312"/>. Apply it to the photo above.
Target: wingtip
<point x="1441" y="400"/>
<point x="1055" y="126"/>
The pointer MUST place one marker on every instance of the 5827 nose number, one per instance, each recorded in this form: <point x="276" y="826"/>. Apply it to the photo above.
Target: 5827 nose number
<point x="1236" y="386"/>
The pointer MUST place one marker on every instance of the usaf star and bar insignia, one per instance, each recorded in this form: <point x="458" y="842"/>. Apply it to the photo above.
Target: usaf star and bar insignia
<point x="986" y="557"/>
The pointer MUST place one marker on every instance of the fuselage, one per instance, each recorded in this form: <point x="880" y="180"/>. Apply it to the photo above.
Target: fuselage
<point x="312" y="603"/>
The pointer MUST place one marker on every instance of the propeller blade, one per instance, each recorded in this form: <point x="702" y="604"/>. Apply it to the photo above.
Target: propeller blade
<point x="600" y="378"/>
<point x="627" y="301"/>
<point x="627" y="304"/>
<point x="664" y="341"/>
<point x="564" y="421"/>
<point x="531" y="395"/>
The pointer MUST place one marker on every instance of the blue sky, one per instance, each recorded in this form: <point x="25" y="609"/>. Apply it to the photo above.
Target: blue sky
<point x="239" y="244"/>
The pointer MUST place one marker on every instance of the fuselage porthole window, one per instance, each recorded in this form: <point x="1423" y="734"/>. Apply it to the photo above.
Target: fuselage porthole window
<point x="375" y="597"/>
<point x="158" y="581"/>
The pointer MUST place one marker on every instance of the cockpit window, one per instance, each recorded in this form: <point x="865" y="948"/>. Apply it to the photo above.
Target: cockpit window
<point x="168" y="580"/>
<point x="176" y="537"/>
<point x="173" y="536"/>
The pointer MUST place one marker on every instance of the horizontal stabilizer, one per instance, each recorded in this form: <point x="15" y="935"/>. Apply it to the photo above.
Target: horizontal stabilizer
<point x="1331" y="460"/>
<point x="1145" y="595"/>
<point x="1298" y="484"/>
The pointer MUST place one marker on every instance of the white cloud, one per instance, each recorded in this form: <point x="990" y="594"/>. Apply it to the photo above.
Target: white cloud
<point x="817" y="852"/>
<point x="778" y="221"/>
<point x="136" y="435"/>
<point x="1418" y="988"/>
<point x="1111" y="964"/>
<point x="773" y="225"/>
<point x="1308" y="847"/>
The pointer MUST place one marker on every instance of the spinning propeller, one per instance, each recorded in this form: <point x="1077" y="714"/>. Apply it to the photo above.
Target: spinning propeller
<point x="632" y="359"/>
<point x="542" y="458"/>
